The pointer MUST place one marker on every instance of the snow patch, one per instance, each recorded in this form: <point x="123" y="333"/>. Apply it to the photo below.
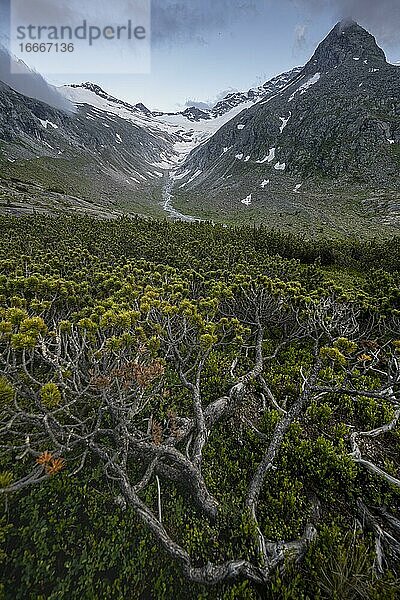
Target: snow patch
<point x="265" y="183"/>
<point x="239" y="156"/>
<point x="118" y="138"/>
<point x="181" y="175"/>
<point x="225" y="150"/>
<point x="284" y="122"/>
<point x="280" y="166"/>
<point x="46" y="123"/>
<point x="247" y="200"/>
<point x="297" y="188"/>
<point x="268" y="158"/>
<point x="241" y="126"/>
<point x="164" y="162"/>
<point x="391" y="141"/>
<point x="306" y="85"/>
<point x="198" y="172"/>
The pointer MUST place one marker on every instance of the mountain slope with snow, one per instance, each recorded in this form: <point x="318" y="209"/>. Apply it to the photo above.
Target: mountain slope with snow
<point x="318" y="144"/>
<point x="187" y="129"/>
<point x="334" y="129"/>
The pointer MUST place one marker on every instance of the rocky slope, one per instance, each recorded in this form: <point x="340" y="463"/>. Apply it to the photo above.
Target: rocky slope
<point x="108" y="152"/>
<point x="336" y="123"/>
<point x="271" y="87"/>
<point x="316" y="147"/>
<point x="91" y="154"/>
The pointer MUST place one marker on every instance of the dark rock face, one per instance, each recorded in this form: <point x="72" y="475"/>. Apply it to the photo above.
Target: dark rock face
<point x="346" y="42"/>
<point x="21" y="116"/>
<point x="273" y="86"/>
<point x="339" y="117"/>
<point x="142" y="108"/>
<point x="54" y="130"/>
<point x="196" y="114"/>
<point x="90" y="154"/>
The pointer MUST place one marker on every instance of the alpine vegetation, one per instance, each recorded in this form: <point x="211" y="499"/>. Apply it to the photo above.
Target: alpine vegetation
<point x="200" y="336"/>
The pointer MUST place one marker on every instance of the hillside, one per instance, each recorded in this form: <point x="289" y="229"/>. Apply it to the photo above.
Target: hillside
<point x="324" y="150"/>
<point x="314" y="150"/>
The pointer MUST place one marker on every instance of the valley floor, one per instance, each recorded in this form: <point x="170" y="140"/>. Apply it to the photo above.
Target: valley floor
<point x="316" y="208"/>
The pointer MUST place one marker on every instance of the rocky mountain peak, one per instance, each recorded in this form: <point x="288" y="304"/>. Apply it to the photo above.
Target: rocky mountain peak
<point x="96" y="89"/>
<point x="347" y="41"/>
<point x="92" y="87"/>
<point x="140" y="106"/>
<point x="196" y="114"/>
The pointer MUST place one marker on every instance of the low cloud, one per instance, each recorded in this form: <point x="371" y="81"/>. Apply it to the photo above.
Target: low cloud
<point x="380" y="17"/>
<point x="221" y="95"/>
<point x="301" y="37"/>
<point x="17" y="75"/>
<point x="198" y="104"/>
<point x="211" y="102"/>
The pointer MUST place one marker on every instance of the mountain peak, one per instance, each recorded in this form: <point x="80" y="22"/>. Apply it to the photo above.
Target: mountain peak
<point x="347" y="41"/>
<point x="140" y="106"/>
<point x="92" y="87"/>
<point x="346" y="24"/>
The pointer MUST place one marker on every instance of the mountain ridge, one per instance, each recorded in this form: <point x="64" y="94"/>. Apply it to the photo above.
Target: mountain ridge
<point x="193" y="113"/>
<point x="336" y="123"/>
<point x="318" y="134"/>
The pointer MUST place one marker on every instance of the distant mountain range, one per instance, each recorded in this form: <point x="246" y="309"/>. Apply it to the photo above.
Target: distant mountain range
<point x="315" y="148"/>
<point x="192" y="113"/>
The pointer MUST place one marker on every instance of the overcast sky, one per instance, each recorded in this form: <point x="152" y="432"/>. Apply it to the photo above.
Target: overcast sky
<point x="202" y="49"/>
